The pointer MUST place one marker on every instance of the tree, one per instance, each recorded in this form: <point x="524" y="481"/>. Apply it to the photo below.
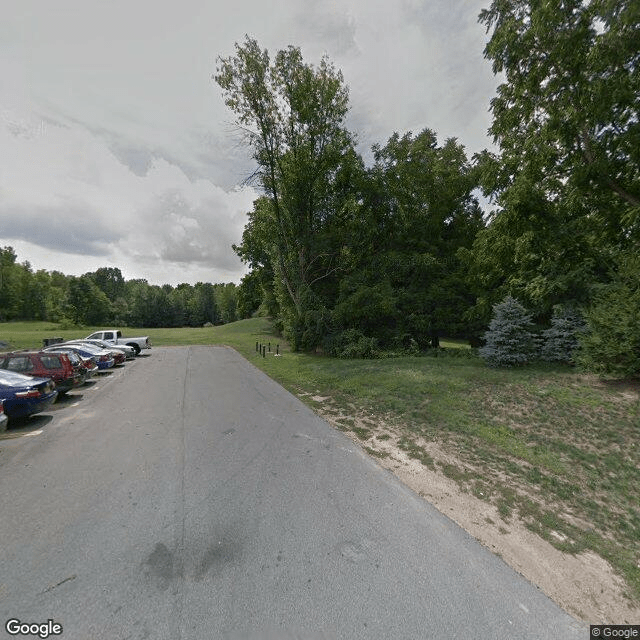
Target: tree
<point x="202" y="306"/>
<point x="86" y="303"/>
<point x="561" y="340"/>
<point x="567" y="179"/>
<point x="611" y="344"/>
<point x="226" y="301"/>
<point x="110" y="281"/>
<point x="510" y="339"/>
<point x="407" y="281"/>
<point x="541" y="252"/>
<point x="9" y="284"/>
<point x="292" y="115"/>
<point x="250" y="294"/>
<point x="567" y="115"/>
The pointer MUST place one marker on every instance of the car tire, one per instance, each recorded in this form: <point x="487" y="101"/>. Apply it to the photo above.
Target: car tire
<point x="136" y="348"/>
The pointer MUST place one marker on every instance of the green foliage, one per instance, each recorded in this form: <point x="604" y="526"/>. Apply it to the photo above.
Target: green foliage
<point x="567" y="179"/>
<point x="304" y="331"/>
<point x="9" y="285"/>
<point x="367" y="308"/>
<point x="250" y="294"/>
<point x="110" y="281"/>
<point x="104" y="297"/>
<point x="292" y="114"/>
<point x="351" y="343"/>
<point x="611" y="344"/>
<point x="510" y="340"/>
<point x="86" y="303"/>
<point x="544" y="253"/>
<point x="423" y="197"/>
<point x="566" y="115"/>
<point x="404" y="279"/>
<point x="560" y="341"/>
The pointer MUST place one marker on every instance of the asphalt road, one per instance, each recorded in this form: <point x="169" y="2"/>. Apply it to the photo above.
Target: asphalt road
<point x="188" y="496"/>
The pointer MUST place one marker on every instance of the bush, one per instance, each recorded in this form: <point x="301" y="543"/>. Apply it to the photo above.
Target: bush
<point x="351" y="343"/>
<point x="510" y="340"/>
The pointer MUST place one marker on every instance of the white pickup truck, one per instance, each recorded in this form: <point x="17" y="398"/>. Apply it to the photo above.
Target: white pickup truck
<point x="114" y="337"/>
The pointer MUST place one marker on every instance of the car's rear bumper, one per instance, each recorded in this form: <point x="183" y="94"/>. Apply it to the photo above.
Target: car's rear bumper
<point x="22" y="409"/>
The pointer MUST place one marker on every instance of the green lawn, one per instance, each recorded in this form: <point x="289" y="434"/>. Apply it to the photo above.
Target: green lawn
<point x="554" y="447"/>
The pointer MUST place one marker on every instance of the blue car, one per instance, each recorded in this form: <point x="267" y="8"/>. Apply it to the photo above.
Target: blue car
<point x="24" y="395"/>
<point x="103" y="358"/>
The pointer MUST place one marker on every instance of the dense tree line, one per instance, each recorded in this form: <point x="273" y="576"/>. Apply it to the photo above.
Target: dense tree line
<point x="348" y="257"/>
<point x="337" y="247"/>
<point x="354" y="259"/>
<point x="104" y="297"/>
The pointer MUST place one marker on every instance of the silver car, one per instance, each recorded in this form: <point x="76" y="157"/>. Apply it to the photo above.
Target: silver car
<point x="129" y="352"/>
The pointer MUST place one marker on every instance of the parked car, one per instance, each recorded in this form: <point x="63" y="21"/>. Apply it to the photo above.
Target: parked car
<point x="129" y="352"/>
<point x="118" y="354"/>
<point x="104" y="359"/>
<point x="3" y="417"/>
<point x="79" y="365"/>
<point x="114" y="337"/>
<point x="39" y="364"/>
<point x="24" y="395"/>
<point x="86" y="364"/>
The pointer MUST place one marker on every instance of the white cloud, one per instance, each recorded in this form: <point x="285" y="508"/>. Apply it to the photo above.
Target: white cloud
<point x="63" y="189"/>
<point x="117" y="147"/>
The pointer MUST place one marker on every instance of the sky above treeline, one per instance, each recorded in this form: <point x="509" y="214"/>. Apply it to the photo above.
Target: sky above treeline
<point x="118" y="151"/>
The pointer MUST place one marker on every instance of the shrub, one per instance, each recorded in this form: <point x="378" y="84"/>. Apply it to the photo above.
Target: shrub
<point x="351" y="343"/>
<point x="510" y="340"/>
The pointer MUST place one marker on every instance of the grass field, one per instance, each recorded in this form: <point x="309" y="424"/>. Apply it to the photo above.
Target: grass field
<point x="556" y="448"/>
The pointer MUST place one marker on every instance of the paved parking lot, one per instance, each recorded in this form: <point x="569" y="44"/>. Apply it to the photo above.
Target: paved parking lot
<point x="187" y="495"/>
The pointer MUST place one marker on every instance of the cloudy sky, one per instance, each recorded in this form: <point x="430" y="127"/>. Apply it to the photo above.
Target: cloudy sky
<point x="117" y="149"/>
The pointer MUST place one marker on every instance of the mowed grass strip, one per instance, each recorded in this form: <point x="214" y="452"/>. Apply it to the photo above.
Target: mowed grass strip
<point x="546" y="444"/>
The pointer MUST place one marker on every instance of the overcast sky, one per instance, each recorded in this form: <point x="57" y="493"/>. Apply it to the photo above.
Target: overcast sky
<point x="116" y="146"/>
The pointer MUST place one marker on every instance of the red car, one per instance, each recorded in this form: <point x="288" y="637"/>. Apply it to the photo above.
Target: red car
<point x="86" y="367"/>
<point x="39" y="364"/>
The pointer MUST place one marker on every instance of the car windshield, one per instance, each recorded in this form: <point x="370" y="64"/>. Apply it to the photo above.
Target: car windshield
<point x="91" y="348"/>
<point x="101" y="344"/>
<point x="73" y="357"/>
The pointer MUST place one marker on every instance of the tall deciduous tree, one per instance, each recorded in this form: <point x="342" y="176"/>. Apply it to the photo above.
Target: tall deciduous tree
<point x="567" y="177"/>
<point x="567" y="116"/>
<point x="9" y="285"/>
<point x="292" y="114"/>
<point x="419" y="210"/>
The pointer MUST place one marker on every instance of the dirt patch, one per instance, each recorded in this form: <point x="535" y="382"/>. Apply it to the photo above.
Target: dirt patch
<point x="584" y="584"/>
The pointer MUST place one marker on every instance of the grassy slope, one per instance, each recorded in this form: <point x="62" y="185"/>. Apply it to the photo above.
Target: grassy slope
<point x="554" y="447"/>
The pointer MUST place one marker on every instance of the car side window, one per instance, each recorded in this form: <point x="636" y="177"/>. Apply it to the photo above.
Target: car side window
<point x="50" y="362"/>
<point x="20" y="364"/>
<point x="108" y="335"/>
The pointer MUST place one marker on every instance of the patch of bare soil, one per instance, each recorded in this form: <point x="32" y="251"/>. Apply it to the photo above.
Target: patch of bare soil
<point x="584" y="584"/>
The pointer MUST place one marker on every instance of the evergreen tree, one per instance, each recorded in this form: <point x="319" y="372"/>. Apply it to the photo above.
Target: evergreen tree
<point x="510" y="340"/>
<point x="560" y="341"/>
